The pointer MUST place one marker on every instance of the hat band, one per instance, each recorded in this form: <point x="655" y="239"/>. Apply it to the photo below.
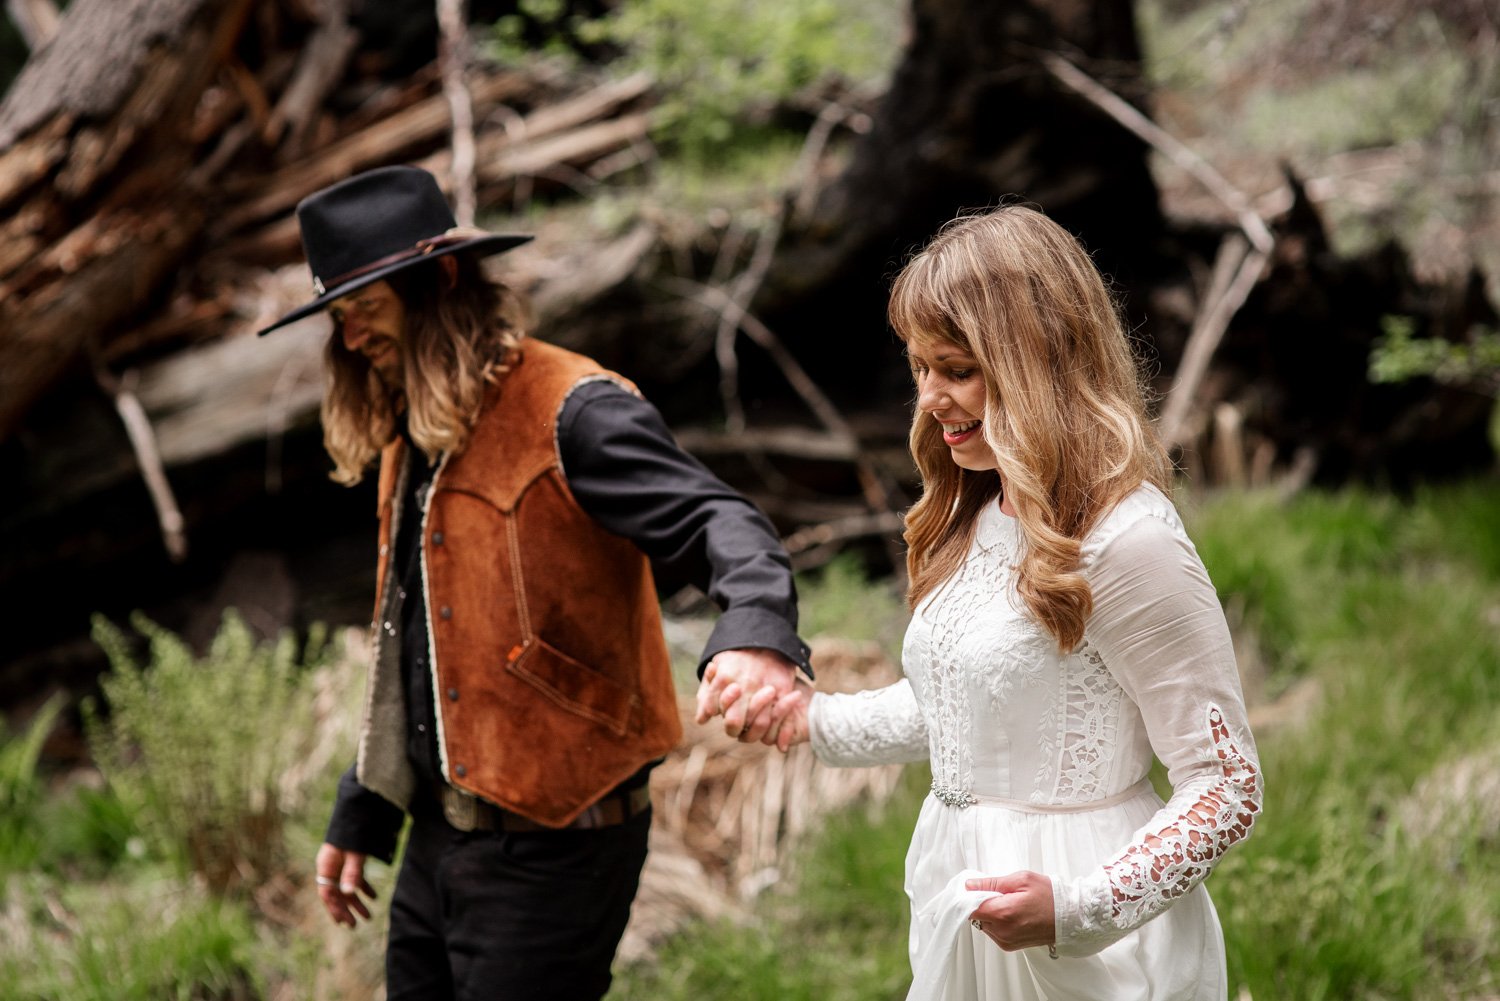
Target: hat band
<point x="458" y="234"/>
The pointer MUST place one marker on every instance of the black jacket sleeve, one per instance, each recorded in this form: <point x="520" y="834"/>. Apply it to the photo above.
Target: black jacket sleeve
<point x="629" y="475"/>
<point x="364" y="821"/>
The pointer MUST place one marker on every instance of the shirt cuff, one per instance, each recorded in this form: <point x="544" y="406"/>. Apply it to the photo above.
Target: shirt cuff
<point x="364" y="821"/>
<point x="756" y="628"/>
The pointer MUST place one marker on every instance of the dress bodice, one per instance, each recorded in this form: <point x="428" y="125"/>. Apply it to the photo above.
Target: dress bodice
<point x="1008" y="715"/>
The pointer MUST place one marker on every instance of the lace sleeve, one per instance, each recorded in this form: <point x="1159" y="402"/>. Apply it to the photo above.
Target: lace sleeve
<point x="879" y="727"/>
<point x="1158" y="625"/>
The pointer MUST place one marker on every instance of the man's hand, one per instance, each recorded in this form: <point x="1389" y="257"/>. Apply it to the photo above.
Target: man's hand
<point x="747" y="686"/>
<point x="341" y="879"/>
<point x="1022" y="915"/>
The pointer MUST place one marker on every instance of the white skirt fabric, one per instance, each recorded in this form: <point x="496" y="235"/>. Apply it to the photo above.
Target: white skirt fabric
<point x="1178" y="956"/>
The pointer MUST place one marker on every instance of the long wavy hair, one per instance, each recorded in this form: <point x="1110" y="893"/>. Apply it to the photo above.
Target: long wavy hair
<point x="1064" y="412"/>
<point x="458" y="341"/>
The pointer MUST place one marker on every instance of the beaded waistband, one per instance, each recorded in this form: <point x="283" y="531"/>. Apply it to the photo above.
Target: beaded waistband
<point x="963" y="798"/>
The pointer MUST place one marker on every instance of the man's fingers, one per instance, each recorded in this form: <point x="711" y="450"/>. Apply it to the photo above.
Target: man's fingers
<point x="352" y="874"/>
<point x="734" y="709"/>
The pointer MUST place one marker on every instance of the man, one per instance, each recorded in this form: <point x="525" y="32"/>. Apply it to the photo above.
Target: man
<point x="520" y="691"/>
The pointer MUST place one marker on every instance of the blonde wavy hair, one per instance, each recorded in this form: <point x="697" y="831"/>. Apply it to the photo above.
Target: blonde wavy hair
<point x="458" y="341"/>
<point x="1064" y="412"/>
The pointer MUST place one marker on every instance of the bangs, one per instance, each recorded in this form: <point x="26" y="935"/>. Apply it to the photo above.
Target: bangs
<point x="920" y="310"/>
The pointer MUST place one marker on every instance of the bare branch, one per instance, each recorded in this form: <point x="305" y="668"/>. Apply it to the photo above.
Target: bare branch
<point x="143" y="441"/>
<point x="453" y="54"/>
<point x="36" y="20"/>
<point x="1168" y="145"/>
<point x="1225" y="298"/>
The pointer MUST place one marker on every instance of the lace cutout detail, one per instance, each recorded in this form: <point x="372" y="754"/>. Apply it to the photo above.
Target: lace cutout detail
<point x="1167" y="864"/>
<point x="950" y="612"/>
<point x="1090" y="731"/>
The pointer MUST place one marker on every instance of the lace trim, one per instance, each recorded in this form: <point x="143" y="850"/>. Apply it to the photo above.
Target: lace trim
<point x="945" y="699"/>
<point x="1168" y="864"/>
<point x="1094" y="911"/>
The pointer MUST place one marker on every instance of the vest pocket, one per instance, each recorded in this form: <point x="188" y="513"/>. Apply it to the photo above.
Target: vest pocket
<point x="575" y="686"/>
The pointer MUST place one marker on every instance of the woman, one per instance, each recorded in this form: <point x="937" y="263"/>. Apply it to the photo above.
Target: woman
<point x="1063" y="628"/>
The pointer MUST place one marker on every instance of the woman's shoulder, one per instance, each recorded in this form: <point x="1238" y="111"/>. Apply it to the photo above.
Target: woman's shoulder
<point x="1145" y="513"/>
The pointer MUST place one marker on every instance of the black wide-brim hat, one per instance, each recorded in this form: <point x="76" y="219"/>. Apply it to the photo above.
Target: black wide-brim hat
<point x="374" y="224"/>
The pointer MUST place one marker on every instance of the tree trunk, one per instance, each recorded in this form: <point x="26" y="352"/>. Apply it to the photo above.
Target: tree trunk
<point x="973" y="117"/>
<point x="91" y="177"/>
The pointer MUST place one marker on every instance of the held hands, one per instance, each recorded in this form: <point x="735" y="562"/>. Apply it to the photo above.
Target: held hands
<point x="1022" y="916"/>
<point x="758" y="693"/>
<point x="341" y="879"/>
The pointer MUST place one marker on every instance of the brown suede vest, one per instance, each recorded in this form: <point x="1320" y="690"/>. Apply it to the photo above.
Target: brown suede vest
<point x="550" y="674"/>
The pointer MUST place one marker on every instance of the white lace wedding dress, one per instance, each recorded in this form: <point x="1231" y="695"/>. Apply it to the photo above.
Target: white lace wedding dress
<point x="1039" y="762"/>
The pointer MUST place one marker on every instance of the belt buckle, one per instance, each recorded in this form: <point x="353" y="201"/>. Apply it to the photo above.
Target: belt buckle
<point x="460" y="809"/>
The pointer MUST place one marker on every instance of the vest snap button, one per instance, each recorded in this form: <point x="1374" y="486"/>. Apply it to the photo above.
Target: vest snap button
<point x="446" y="612"/>
<point x="437" y="538"/>
<point x="460" y="771"/>
<point x="453" y="695"/>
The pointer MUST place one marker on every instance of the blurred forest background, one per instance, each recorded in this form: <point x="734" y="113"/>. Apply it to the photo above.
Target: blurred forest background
<point x="1298" y="203"/>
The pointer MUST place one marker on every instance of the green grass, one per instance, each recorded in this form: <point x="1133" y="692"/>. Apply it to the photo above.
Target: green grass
<point x="145" y="938"/>
<point x="835" y="929"/>
<point x="1391" y="609"/>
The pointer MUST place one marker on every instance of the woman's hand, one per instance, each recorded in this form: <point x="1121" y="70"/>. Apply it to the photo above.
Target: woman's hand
<point x="1022" y="916"/>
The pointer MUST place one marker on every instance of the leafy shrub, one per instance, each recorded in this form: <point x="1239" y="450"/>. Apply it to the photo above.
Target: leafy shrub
<point x="211" y="754"/>
<point x="21" y="791"/>
<point x="713" y="59"/>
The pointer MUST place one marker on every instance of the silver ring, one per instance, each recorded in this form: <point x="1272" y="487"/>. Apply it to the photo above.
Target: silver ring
<point x="325" y="881"/>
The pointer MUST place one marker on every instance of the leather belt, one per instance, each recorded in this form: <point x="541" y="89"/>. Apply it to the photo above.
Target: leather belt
<point x="466" y="812"/>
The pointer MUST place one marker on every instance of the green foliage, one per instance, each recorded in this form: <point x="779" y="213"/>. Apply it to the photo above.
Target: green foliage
<point x="21" y="790"/>
<point x="144" y="940"/>
<point x="838" y="931"/>
<point x="841" y="600"/>
<point x="1344" y="892"/>
<point x="714" y="59"/>
<point x="1392" y="103"/>
<point x="1399" y="356"/>
<point x="1397" y="100"/>
<point x="206" y="753"/>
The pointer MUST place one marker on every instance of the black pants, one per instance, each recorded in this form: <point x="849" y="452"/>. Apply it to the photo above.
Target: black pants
<point x="511" y="917"/>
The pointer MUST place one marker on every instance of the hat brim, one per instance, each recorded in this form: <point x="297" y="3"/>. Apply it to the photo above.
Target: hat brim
<point x="483" y="246"/>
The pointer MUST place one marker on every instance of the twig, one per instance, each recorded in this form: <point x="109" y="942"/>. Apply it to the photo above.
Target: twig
<point x="319" y="67"/>
<point x="1209" y="330"/>
<point x="1111" y="104"/>
<point x="454" y="57"/>
<point x="877" y="495"/>
<point x="853" y="527"/>
<point x="817" y="401"/>
<point x="143" y="441"/>
<point x="806" y="169"/>
<point x="36" y="21"/>
<point x="1213" y="321"/>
